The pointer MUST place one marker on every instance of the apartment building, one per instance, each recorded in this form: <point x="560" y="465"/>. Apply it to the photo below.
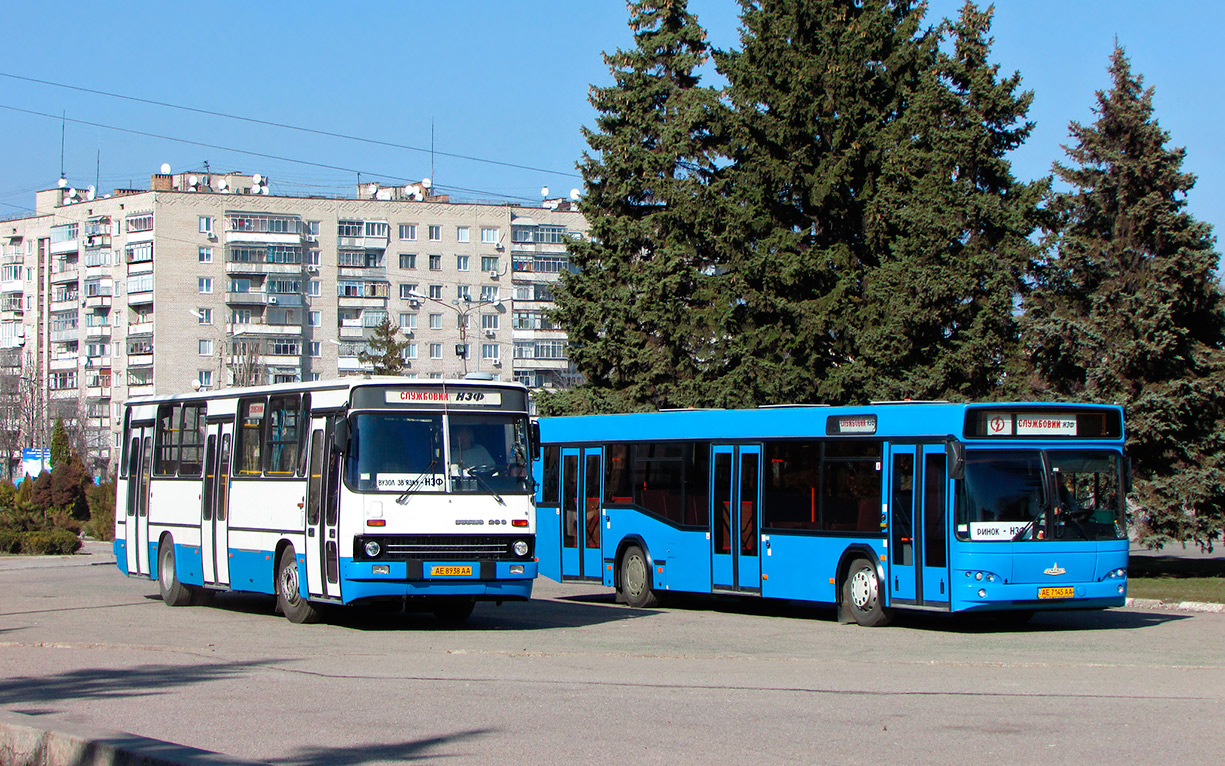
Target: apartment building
<point x="209" y="280"/>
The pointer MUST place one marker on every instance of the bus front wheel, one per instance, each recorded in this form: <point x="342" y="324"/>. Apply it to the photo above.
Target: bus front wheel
<point x="861" y="595"/>
<point x="636" y="579"/>
<point x="288" y="593"/>
<point x="174" y="593"/>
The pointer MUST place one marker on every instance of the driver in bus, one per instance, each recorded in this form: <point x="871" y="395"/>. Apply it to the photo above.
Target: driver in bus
<point x="469" y="453"/>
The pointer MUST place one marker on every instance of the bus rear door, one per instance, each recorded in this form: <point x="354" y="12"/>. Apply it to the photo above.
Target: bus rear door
<point x="734" y="514"/>
<point x="140" y="466"/>
<point x="322" y="511"/>
<point x="582" y="518"/>
<point x="214" y="530"/>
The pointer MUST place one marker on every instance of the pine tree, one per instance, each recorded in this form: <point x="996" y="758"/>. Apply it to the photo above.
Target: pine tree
<point x="635" y="309"/>
<point x="1127" y="309"/>
<point x="814" y="92"/>
<point x="60" y="449"/>
<point x="383" y="352"/>
<point x="949" y="232"/>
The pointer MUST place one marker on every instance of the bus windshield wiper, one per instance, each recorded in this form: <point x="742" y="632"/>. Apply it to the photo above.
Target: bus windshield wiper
<point x="484" y="485"/>
<point x="412" y="486"/>
<point x="1025" y="529"/>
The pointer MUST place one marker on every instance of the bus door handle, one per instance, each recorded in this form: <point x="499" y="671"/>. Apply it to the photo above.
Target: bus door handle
<point x="310" y="532"/>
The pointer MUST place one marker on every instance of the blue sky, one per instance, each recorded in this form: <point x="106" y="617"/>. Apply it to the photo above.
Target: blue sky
<point x="498" y="80"/>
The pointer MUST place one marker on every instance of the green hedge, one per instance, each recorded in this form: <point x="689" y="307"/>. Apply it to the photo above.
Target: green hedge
<point x="39" y="542"/>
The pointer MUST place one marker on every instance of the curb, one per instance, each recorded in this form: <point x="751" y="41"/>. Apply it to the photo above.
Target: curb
<point x="1180" y="606"/>
<point x="27" y="740"/>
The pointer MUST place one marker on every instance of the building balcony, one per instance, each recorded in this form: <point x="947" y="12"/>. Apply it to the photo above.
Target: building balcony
<point x="12" y="286"/>
<point x="542" y="364"/>
<point x="67" y="246"/>
<point x="65" y="275"/>
<point x="12" y="341"/>
<point x="351" y="364"/>
<point x="361" y="302"/>
<point x="63" y="336"/>
<point x="62" y="363"/>
<point x="262" y="238"/>
<point x="98" y="392"/>
<point x="352" y="329"/>
<point x="362" y="243"/>
<point x="141" y="328"/>
<point x="140" y="360"/>
<point x="98" y="301"/>
<point x="140" y="299"/>
<point x="11" y="315"/>
<point x="259" y="328"/>
<point x="96" y="241"/>
<point x="363" y="272"/>
<point x="98" y="331"/>
<point x="242" y="267"/>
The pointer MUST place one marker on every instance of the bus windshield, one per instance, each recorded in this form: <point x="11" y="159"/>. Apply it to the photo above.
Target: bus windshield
<point x="489" y="453"/>
<point x="1011" y="496"/>
<point x="396" y="452"/>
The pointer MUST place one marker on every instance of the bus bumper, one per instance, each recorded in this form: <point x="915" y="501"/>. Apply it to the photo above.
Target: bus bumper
<point x="484" y="580"/>
<point x="981" y="596"/>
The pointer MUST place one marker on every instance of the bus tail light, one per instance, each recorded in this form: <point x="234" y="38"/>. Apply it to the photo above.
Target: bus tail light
<point x="376" y="522"/>
<point x="518" y="522"/>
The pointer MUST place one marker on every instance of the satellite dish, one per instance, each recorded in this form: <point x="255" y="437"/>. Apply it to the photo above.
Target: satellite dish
<point x="426" y="183"/>
<point x="544" y="191"/>
<point x="72" y="192"/>
<point x="165" y="168"/>
<point x="195" y="385"/>
<point x="264" y="190"/>
<point x="63" y="182"/>
<point x="574" y="194"/>
<point x="419" y="196"/>
<point x="90" y="193"/>
<point x="192" y="180"/>
<point x="222" y="184"/>
<point x="408" y="190"/>
<point x="256" y="178"/>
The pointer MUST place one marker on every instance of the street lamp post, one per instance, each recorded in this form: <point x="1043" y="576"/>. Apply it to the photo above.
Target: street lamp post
<point x="463" y="308"/>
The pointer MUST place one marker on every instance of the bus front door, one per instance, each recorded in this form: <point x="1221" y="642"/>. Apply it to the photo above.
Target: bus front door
<point x="918" y="547"/>
<point x="140" y="459"/>
<point x="582" y="478"/>
<point x="215" y="511"/>
<point x="322" y="512"/>
<point x="735" y="509"/>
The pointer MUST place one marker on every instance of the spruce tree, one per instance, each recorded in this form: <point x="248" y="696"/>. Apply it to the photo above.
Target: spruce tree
<point x="635" y="307"/>
<point x="814" y="91"/>
<point x="383" y="352"/>
<point x="61" y="450"/>
<point x="948" y="230"/>
<point x="1127" y="309"/>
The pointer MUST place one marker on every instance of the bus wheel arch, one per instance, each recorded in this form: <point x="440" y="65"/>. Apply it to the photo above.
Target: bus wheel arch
<point x="633" y="574"/>
<point x="861" y="590"/>
<point x="289" y="598"/>
<point x="174" y="592"/>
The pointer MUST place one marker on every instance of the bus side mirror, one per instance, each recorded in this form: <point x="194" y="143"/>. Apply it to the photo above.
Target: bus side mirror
<point x="340" y="435"/>
<point x="956" y="452"/>
<point x="535" y="437"/>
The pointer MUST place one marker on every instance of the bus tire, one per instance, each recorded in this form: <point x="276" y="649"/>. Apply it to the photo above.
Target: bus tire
<point x="861" y="595"/>
<point x="289" y="599"/>
<point x="635" y="581"/>
<point x="174" y="593"/>
<point x="454" y="613"/>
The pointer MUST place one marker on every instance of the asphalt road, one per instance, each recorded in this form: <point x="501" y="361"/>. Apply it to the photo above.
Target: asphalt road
<point x="574" y="678"/>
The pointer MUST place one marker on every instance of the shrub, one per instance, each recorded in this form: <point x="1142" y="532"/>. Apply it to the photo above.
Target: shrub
<point x="50" y="542"/>
<point x="101" y="525"/>
<point x="10" y="540"/>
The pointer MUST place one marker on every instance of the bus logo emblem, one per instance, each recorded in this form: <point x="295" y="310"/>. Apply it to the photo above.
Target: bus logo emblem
<point x="1055" y="571"/>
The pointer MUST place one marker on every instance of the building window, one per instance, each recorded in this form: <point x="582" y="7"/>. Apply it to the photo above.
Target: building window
<point x="489" y="263"/>
<point x="436" y="292"/>
<point x="435" y="263"/>
<point x="490" y="321"/>
<point x="314" y="318"/>
<point x="139" y="252"/>
<point x="408" y="322"/>
<point x="435" y="321"/>
<point x="205" y="378"/>
<point x="205" y="347"/>
<point x="205" y="285"/>
<point x="349" y="228"/>
<point x="408" y="291"/>
<point x="313" y="288"/>
<point x="410" y="351"/>
<point x="489" y="351"/>
<point x="408" y="231"/>
<point x="462" y="235"/>
<point x="408" y="260"/>
<point x="435" y="351"/>
<point x="241" y="316"/>
<point x="204" y="316"/>
<point x="461" y="262"/>
<point x="378" y="229"/>
<point x="265" y="224"/>
<point x="489" y="293"/>
<point x="435" y="233"/>
<point x="139" y="222"/>
<point x="206" y="255"/>
<point x="314" y="347"/>
<point x="206" y="224"/>
<point x="489" y="236"/>
<point x="463" y="292"/>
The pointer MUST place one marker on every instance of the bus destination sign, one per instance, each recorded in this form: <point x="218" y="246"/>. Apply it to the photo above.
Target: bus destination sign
<point x="455" y="398"/>
<point x="1030" y="424"/>
<point x="850" y="424"/>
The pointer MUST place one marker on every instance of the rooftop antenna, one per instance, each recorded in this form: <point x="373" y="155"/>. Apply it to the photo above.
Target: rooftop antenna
<point x="431" y="147"/>
<point x="98" y="170"/>
<point x="63" y="131"/>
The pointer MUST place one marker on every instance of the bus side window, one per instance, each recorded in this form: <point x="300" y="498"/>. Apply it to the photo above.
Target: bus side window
<point x="166" y="460"/>
<point x="284" y="426"/>
<point x="550" y="474"/>
<point x="250" y="436"/>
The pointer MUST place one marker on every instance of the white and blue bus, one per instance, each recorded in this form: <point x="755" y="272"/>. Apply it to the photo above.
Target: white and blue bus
<point x="943" y="507"/>
<point x="332" y="493"/>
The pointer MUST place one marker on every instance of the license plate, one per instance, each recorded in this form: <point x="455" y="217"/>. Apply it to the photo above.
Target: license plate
<point x="1056" y="592"/>
<point x="452" y="571"/>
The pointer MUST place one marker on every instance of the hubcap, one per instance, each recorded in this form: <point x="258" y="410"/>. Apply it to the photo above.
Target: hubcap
<point x="289" y="583"/>
<point x="863" y="589"/>
<point x="635" y="575"/>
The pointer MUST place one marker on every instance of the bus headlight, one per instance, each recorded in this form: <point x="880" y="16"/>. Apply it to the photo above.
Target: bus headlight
<point x="373" y="549"/>
<point x="520" y="548"/>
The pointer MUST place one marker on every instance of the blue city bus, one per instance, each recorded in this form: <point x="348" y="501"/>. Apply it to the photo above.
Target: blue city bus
<point x="1006" y="508"/>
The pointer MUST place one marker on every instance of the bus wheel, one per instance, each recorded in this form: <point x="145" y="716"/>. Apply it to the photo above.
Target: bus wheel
<point x="454" y="613"/>
<point x="174" y="593"/>
<point x="288" y="595"/>
<point x="862" y="597"/>
<point x="636" y="579"/>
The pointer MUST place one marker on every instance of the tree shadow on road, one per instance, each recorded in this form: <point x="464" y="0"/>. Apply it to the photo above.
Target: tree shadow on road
<point x="411" y="750"/>
<point x="108" y="683"/>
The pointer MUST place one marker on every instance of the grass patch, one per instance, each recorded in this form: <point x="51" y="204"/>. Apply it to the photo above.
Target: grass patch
<point x="1170" y="578"/>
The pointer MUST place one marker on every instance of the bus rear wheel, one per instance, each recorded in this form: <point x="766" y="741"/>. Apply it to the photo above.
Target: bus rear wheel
<point x="635" y="580"/>
<point x="861" y="595"/>
<point x="174" y="593"/>
<point x="289" y="599"/>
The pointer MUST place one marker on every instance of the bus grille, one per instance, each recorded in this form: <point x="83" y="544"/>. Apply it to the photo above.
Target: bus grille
<point x="444" y="547"/>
